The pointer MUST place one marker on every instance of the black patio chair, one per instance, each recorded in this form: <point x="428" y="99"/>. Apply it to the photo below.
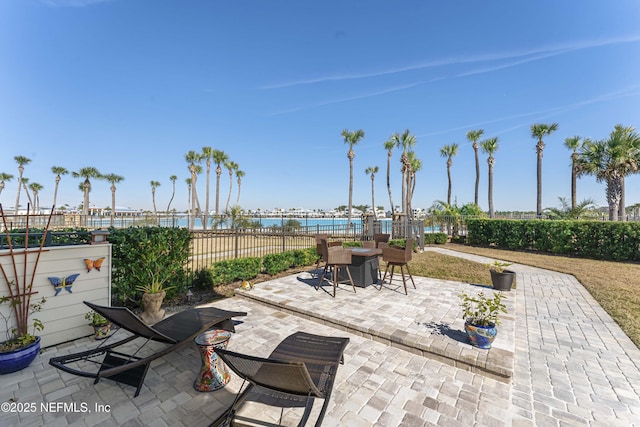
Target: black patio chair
<point x="176" y="331"/>
<point x="302" y="367"/>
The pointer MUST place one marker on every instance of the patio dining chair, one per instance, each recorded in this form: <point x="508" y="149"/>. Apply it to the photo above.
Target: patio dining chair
<point x="398" y="257"/>
<point x="335" y="258"/>
<point x="301" y="368"/>
<point x="319" y="238"/>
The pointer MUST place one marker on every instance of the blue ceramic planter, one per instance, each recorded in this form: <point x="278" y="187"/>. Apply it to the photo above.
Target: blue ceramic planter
<point x="481" y="336"/>
<point x="19" y="359"/>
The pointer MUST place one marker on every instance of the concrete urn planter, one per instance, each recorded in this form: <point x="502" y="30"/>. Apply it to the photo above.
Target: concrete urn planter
<point x="151" y="304"/>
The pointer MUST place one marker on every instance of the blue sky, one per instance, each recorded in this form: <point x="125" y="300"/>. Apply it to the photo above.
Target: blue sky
<point x="130" y="86"/>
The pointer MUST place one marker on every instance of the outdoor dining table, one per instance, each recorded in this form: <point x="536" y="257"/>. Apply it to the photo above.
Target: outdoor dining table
<point x="364" y="266"/>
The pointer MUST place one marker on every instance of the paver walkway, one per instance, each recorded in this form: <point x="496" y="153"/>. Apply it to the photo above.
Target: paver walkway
<point x="571" y="364"/>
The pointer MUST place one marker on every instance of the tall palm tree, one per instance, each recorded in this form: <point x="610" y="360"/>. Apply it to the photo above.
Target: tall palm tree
<point x="490" y="146"/>
<point x="207" y="155"/>
<point x="58" y="171"/>
<point x="539" y="131"/>
<point x="239" y="176"/>
<point x="415" y="165"/>
<point x="154" y="185"/>
<point x="352" y="138"/>
<point x="219" y="158"/>
<point x="372" y="170"/>
<point x="193" y="158"/>
<point x="173" y="180"/>
<point x="610" y="160"/>
<point x="405" y="141"/>
<point x="474" y="136"/>
<point x="35" y="190"/>
<point x="389" y="146"/>
<point x="4" y="177"/>
<point x="87" y="173"/>
<point x="25" y="181"/>
<point x="21" y="160"/>
<point x="573" y="143"/>
<point x="113" y="179"/>
<point x="188" y="182"/>
<point x="449" y="151"/>
<point x="231" y="167"/>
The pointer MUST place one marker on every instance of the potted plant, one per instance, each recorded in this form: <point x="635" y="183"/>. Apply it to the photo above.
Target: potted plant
<point x="21" y="347"/>
<point x="153" y="294"/>
<point x="481" y="315"/>
<point x="101" y="326"/>
<point x="501" y="278"/>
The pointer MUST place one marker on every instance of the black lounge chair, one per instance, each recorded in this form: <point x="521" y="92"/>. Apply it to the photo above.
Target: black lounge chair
<point x="302" y="367"/>
<point x="176" y="331"/>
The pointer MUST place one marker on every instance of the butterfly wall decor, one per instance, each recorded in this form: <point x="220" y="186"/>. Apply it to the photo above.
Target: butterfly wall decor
<point x="91" y="264"/>
<point x="65" y="282"/>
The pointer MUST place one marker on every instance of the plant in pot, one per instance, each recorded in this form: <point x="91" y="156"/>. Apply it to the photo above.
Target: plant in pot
<point x="153" y="294"/>
<point x="501" y="279"/>
<point x="101" y="326"/>
<point x="481" y="314"/>
<point x="21" y="346"/>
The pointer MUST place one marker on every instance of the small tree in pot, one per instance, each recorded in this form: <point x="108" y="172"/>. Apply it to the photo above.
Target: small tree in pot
<point x="101" y="326"/>
<point x="501" y="279"/>
<point x="481" y="315"/>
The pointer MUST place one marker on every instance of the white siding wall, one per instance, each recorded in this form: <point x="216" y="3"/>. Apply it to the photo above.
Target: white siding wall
<point x="62" y="315"/>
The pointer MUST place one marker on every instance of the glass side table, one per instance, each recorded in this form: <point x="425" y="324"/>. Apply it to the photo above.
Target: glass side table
<point x="213" y="373"/>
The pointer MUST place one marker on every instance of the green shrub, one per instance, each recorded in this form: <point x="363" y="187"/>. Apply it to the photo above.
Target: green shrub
<point x="302" y="257"/>
<point x="202" y="279"/>
<point x="437" y="238"/>
<point x="275" y="263"/>
<point x="351" y="244"/>
<point x="230" y="270"/>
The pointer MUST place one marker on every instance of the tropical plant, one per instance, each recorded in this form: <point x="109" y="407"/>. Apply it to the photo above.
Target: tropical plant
<point x="21" y="161"/>
<point x="25" y="181"/>
<point x="20" y="337"/>
<point x="415" y="165"/>
<point x="405" y="141"/>
<point x="389" y="146"/>
<point x="219" y="158"/>
<point x="448" y="152"/>
<point x="482" y="310"/>
<point x="372" y="170"/>
<point x="113" y="179"/>
<point x="35" y="190"/>
<point x="573" y="143"/>
<point x="239" y="176"/>
<point x="58" y="171"/>
<point x="474" y="136"/>
<point x="173" y="180"/>
<point x="193" y="158"/>
<point x="4" y="177"/>
<point x="188" y="182"/>
<point x="490" y="146"/>
<point x="95" y="319"/>
<point x="610" y="160"/>
<point x="539" y="131"/>
<point x="231" y="166"/>
<point x="154" y="185"/>
<point x="351" y="138"/>
<point x="87" y="173"/>
<point x="207" y="155"/>
<point x="581" y="210"/>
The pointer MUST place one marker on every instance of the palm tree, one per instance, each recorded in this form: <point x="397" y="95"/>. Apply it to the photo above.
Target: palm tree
<point x="231" y="167"/>
<point x="154" y="185"/>
<point x="87" y="173"/>
<point x="21" y="160"/>
<point x="573" y="143"/>
<point x="219" y="158"/>
<point x="113" y="179"/>
<point x="207" y="155"/>
<point x="239" y="176"/>
<point x="173" y="180"/>
<point x="188" y="182"/>
<point x="58" y="171"/>
<point x="610" y="160"/>
<point x="389" y="146"/>
<point x="193" y="158"/>
<point x="351" y="138"/>
<point x="490" y="146"/>
<point x="25" y="181"/>
<point x="415" y="165"/>
<point x="449" y="151"/>
<point x="539" y="131"/>
<point x="35" y="189"/>
<point x="581" y="210"/>
<point x="4" y="177"/>
<point x="372" y="170"/>
<point x="406" y="141"/>
<point x="474" y="136"/>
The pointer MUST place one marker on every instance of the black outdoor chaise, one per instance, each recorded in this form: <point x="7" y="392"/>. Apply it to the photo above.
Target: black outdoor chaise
<point x="176" y="331"/>
<point x="302" y="367"/>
